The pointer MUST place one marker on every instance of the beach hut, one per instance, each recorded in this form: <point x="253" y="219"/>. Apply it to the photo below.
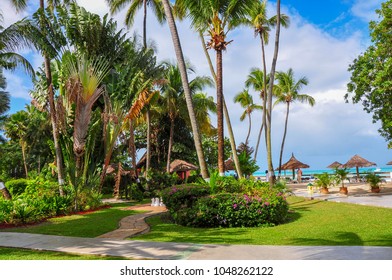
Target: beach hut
<point x="182" y="168"/>
<point x="334" y="165"/>
<point x="229" y="164"/>
<point x="293" y="164"/>
<point x="357" y="161"/>
<point x="389" y="163"/>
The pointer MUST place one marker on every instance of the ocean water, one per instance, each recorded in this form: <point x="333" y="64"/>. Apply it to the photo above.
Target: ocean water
<point x="329" y="171"/>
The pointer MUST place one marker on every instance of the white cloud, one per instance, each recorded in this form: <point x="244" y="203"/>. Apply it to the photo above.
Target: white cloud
<point x="365" y="9"/>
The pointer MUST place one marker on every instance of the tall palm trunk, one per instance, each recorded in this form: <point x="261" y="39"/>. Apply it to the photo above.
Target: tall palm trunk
<point x="269" y="99"/>
<point x="249" y="130"/>
<point x="145" y="24"/>
<point x="225" y="111"/>
<point x="55" y="130"/>
<point x="187" y="92"/>
<point x="23" y="145"/>
<point x="148" y="153"/>
<point x="169" y="149"/>
<point x="132" y="147"/>
<point x="219" y="109"/>
<point x="284" y="138"/>
<point x="258" y="140"/>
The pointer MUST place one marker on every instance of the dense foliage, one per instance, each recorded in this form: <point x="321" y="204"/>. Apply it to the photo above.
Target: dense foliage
<point x="371" y="82"/>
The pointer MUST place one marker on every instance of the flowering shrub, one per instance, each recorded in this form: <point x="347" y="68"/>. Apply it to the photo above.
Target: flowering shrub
<point x="235" y="210"/>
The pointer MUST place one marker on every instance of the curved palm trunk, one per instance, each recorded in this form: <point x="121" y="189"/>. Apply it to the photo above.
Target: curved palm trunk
<point x="258" y="140"/>
<point x="187" y="92"/>
<point x="269" y="99"/>
<point x="169" y="149"/>
<point x="219" y="109"/>
<point x="225" y="112"/>
<point x="250" y="128"/>
<point x="284" y="138"/>
<point x="132" y="147"/>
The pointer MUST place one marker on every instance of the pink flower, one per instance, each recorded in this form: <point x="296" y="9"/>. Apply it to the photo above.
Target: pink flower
<point x="235" y="205"/>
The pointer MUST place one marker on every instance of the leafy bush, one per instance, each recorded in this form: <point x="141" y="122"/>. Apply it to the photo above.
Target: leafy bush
<point x="234" y="210"/>
<point x="136" y="192"/>
<point x="179" y="197"/>
<point x="17" y="186"/>
<point x="158" y="181"/>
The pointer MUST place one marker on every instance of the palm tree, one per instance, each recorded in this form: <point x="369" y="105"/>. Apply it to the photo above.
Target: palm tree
<point x="287" y="92"/>
<point x="246" y="101"/>
<point x="135" y="5"/>
<point x="16" y="128"/>
<point x="256" y="81"/>
<point x="261" y="23"/>
<point x="217" y="18"/>
<point x="20" y="5"/>
<point x="173" y="96"/>
<point x="187" y="91"/>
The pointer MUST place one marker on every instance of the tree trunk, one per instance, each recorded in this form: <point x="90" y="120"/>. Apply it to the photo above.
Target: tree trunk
<point x="219" y="109"/>
<point x="23" y="145"/>
<point x="226" y="113"/>
<point x="145" y="24"/>
<point x="258" y="140"/>
<point x="269" y="99"/>
<point x="187" y="92"/>
<point x="132" y="147"/>
<point x="148" y="153"/>
<point x="284" y="138"/>
<point x="6" y="194"/>
<point x="250" y="128"/>
<point x="169" y="149"/>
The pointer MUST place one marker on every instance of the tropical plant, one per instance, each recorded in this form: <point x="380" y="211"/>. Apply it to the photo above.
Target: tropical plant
<point x="246" y="102"/>
<point x="4" y="96"/>
<point x="288" y="92"/>
<point x="324" y="181"/>
<point x="341" y="175"/>
<point x="373" y="180"/>
<point x="156" y="6"/>
<point x="187" y="92"/>
<point x="217" y="18"/>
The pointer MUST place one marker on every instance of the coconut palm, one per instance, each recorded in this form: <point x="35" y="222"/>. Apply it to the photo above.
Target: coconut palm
<point x="217" y="18"/>
<point x="246" y="102"/>
<point x="134" y="6"/>
<point x="173" y="96"/>
<point x="256" y="81"/>
<point x="20" y="5"/>
<point x="187" y="91"/>
<point x="288" y="92"/>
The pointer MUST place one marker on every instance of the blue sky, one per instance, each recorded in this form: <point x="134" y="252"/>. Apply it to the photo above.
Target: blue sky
<point x="323" y="39"/>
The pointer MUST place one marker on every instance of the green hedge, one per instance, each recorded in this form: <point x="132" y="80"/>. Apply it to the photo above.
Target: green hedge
<point x="17" y="186"/>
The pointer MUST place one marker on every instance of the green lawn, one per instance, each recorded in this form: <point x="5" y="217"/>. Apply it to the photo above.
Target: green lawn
<point x="312" y="222"/>
<point x="25" y="254"/>
<point x="88" y="225"/>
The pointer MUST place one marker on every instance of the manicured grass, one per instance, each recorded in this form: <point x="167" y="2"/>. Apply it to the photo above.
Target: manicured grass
<point x="87" y="225"/>
<point x="25" y="254"/>
<point x="312" y="222"/>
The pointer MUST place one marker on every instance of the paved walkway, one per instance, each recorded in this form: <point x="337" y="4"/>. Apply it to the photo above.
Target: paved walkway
<point x="112" y="244"/>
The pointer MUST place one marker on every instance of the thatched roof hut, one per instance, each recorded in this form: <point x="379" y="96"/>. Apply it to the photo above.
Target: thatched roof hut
<point x="181" y="165"/>
<point x="229" y="164"/>
<point x="389" y="163"/>
<point x="293" y="164"/>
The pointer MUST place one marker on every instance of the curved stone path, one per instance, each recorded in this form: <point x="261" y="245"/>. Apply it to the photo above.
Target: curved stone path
<point x="135" y="224"/>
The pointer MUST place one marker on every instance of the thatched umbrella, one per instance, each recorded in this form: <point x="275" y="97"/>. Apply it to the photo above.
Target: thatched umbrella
<point x="389" y="163"/>
<point x="334" y="165"/>
<point x="293" y="164"/>
<point x="357" y="161"/>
